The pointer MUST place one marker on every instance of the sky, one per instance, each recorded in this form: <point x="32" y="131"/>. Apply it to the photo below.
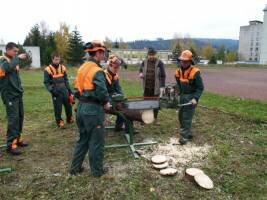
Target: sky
<point x="130" y="19"/>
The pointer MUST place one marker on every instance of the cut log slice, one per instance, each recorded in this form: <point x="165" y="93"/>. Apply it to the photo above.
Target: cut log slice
<point x="168" y="172"/>
<point x="148" y="116"/>
<point x="191" y="172"/>
<point x="161" y="166"/>
<point x="204" y="181"/>
<point x="159" y="159"/>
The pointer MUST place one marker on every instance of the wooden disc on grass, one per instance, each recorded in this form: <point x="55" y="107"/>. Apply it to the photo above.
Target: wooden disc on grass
<point x="191" y="172"/>
<point x="161" y="166"/>
<point x="204" y="181"/>
<point x="158" y="159"/>
<point x="168" y="172"/>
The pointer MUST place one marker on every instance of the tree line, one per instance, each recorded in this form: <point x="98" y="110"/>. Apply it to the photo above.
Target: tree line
<point x="69" y="44"/>
<point x="205" y="52"/>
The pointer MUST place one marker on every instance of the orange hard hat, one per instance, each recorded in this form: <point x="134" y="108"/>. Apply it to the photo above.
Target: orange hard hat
<point x="186" y="55"/>
<point x="95" y="45"/>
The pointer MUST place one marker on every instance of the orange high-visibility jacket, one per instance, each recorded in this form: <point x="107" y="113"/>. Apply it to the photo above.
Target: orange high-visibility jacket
<point x="188" y="74"/>
<point x="85" y="76"/>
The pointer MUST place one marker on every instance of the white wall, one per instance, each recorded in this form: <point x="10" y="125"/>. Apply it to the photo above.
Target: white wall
<point x="250" y="42"/>
<point x="33" y="51"/>
<point x="263" y="56"/>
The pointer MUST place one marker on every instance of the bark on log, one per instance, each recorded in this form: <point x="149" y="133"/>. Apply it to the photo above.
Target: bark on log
<point x="146" y="116"/>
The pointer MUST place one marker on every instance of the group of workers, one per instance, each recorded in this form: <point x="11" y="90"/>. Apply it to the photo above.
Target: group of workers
<point x="93" y="88"/>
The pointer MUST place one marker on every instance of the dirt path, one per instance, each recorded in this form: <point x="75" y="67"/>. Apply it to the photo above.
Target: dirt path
<point x="241" y="82"/>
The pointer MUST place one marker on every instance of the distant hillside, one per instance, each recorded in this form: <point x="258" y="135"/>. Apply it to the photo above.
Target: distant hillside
<point x="165" y="44"/>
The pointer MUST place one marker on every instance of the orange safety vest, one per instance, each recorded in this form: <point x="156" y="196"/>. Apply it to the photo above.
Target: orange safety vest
<point x="110" y="78"/>
<point x="185" y="76"/>
<point x="2" y="71"/>
<point x="85" y="76"/>
<point x="56" y="73"/>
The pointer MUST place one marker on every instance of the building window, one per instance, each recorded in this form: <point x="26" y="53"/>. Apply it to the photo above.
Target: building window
<point x="251" y="49"/>
<point x="250" y="58"/>
<point x="256" y="48"/>
<point x="256" y="59"/>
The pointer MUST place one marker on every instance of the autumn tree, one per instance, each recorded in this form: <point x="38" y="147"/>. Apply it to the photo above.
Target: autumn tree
<point x="62" y="40"/>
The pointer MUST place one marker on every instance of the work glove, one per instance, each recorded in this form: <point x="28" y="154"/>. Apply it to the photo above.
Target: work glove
<point x="141" y="75"/>
<point x="22" y="56"/>
<point x="107" y="106"/>
<point x="70" y="92"/>
<point x="194" y="101"/>
<point x="162" y="92"/>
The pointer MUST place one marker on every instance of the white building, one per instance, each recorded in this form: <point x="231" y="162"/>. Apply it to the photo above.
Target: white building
<point x="263" y="53"/>
<point x="33" y="51"/>
<point x="250" y="41"/>
<point x="253" y="41"/>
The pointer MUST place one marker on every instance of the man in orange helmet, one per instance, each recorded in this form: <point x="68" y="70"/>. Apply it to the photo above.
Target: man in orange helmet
<point x="91" y="91"/>
<point x="191" y="86"/>
<point x="113" y="86"/>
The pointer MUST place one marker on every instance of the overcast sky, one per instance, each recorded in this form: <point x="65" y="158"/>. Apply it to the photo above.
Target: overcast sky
<point x="131" y="19"/>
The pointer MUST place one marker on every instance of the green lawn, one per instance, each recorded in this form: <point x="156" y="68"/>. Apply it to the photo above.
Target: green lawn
<point x="236" y="130"/>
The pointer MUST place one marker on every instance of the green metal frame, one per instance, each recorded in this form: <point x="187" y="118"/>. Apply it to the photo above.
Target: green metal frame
<point x="129" y="137"/>
<point x="3" y="170"/>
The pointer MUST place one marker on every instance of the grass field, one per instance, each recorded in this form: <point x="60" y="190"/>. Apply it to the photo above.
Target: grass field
<point x="236" y="130"/>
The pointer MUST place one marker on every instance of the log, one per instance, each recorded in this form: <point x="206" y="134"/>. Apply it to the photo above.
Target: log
<point x="145" y="116"/>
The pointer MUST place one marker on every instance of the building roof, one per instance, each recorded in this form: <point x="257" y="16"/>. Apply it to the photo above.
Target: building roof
<point x="255" y="22"/>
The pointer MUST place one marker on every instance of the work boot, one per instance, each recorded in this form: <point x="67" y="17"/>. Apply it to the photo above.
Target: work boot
<point x="190" y="137"/>
<point x="14" y="152"/>
<point x="22" y="143"/>
<point x="70" y="120"/>
<point x="76" y="172"/>
<point x="118" y="129"/>
<point x="60" y="123"/>
<point x="183" y="141"/>
<point x="13" y="149"/>
<point x="103" y="172"/>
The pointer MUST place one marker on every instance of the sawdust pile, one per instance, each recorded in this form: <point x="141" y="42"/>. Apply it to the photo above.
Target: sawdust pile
<point x="178" y="155"/>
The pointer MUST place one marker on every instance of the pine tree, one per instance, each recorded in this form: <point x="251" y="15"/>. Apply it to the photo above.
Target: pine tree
<point x="195" y="55"/>
<point x="34" y="37"/>
<point x="27" y="62"/>
<point x="176" y="52"/>
<point x="213" y="59"/>
<point x="44" y="39"/>
<point x="75" y="52"/>
<point x="221" y="53"/>
<point x="49" y="48"/>
<point x="116" y="44"/>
